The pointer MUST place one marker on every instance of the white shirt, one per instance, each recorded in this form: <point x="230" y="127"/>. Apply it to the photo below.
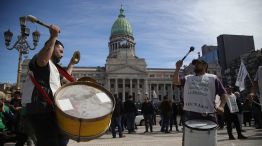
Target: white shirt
<point x="28" y="89"/>
<point x="200" y="93"/>
<point x="232" y="103"/>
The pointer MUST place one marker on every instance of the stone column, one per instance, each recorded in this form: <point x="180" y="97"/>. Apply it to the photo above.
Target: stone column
<point x="149" y="92"/>
<point x="172" y="91"/>
<point x="164" y="90"/>
<point x="138" y="91"/>
<point x="157" y="92"/>
<point x="131" y="87"/>
<point x="108" y="84"/>
<point x="124" y="91"/>
<point x="146" y="86"/>
<point x="116" y="88"/>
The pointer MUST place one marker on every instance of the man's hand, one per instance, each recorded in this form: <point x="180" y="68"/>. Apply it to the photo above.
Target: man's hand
<point x="220" y="110"/>
<point x="54" y="30"/>
<point x="179" y="63"/>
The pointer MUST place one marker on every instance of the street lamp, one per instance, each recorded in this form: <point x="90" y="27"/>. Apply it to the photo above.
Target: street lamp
<point x="21" y="45"/>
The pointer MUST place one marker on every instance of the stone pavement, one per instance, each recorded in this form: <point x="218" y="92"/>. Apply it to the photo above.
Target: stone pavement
<point x="171" y="139"/>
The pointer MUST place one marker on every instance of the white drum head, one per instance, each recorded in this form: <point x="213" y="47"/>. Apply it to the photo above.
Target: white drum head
<point x="200" y="124"/>
<point x="83" y="101"/>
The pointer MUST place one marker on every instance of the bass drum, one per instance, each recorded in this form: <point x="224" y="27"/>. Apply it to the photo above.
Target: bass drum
<point x="200" y="133"/>
<point x="84" y="110"/>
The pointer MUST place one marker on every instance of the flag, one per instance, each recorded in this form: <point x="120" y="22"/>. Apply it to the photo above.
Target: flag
<point x="242" y="73"/>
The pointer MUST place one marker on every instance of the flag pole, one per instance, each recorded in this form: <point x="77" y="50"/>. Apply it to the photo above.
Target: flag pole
<point x="248" y="74"/>
<point x="250" y="79"/>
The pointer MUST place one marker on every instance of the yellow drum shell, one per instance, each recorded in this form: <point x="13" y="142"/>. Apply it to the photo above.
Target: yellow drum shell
<point x="80" y="129"/>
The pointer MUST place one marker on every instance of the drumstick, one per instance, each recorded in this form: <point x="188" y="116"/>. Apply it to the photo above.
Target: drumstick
<point x="33" y="19"/>
<point x="190" y="50"/>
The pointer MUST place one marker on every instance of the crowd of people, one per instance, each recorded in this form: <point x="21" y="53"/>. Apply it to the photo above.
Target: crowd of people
<point x="233" y="110"/>
<point x="12" y="123"/>
<point x="169" y="113"/>
<point x="125" y="112"/>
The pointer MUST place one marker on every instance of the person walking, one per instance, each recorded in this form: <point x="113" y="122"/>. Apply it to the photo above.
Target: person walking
<point x="165" y="111"/>
<point x="173" y="119"/>
<point x="117" y="118"/>
<point x="130" y="111"/>
<point x="147" y="110"/>
<point x="231" y="110"/>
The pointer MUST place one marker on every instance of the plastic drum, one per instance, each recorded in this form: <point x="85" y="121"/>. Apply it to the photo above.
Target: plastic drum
<point x="83" y="110"/>
<point x="200" y="133"/>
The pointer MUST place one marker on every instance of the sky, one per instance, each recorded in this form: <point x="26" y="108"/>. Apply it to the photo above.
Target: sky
<point x="163" y="30"/>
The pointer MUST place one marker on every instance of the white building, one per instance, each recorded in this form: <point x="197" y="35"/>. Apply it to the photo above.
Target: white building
<point x="125" y="73"/>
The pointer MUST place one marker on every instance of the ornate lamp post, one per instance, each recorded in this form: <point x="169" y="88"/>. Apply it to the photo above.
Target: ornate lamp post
<point x="21" y="45"/>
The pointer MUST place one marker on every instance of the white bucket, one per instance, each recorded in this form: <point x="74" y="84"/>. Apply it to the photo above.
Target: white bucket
<point x="200" y="133"/>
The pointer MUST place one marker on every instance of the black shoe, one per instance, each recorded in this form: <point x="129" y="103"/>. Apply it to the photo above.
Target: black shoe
<point x="242" y="137"/>
<point x="231" y="137"/>
<point x="114" y="137"/>
<point x="121" y="136"/>
<point x="145" y="131"/>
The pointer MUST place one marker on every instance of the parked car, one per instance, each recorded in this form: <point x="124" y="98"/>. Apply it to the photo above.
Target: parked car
<point x="139" y="120"/>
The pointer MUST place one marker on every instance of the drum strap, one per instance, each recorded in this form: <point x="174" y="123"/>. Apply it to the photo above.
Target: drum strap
<point x="64" y="73"/>
<point x="42" y="91"/>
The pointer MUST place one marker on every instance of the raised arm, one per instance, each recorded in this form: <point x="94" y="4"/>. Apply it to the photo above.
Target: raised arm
<point x="176" y="79"/>
<point x="220" y="90"/>
<point x="70" y="67"/>
<point x="46" y="52"/>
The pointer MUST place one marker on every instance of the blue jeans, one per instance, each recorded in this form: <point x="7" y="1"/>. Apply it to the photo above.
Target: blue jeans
<point x="130" y="117"/>
<point x="116" y="122"/>
<point x="165" y="121"/>
<point x="148" y="121"/>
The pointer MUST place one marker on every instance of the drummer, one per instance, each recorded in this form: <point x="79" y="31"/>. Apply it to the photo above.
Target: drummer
<point x="200" y="90"/>
<point x="39" y="113"/>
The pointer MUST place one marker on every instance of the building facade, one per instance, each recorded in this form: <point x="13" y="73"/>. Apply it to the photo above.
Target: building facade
<point x="231" y="47"/>
<point x="125" y="73"/>
<point x="209" y="54"/>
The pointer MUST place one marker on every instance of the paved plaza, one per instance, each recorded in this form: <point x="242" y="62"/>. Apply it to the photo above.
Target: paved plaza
<point x="158" y="138"/>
